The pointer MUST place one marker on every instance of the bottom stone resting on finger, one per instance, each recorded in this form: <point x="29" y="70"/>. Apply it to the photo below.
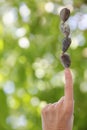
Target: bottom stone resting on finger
<point x="65" y="59"/>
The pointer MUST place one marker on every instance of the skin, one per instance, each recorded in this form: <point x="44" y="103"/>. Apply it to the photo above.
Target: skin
<point x="59" y="115"/>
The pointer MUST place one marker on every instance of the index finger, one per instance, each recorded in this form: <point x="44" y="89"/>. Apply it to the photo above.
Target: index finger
<point x="68" y="86"/>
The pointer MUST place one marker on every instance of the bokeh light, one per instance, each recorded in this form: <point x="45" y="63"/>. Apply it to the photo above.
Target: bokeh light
<point x="24" y="42"/>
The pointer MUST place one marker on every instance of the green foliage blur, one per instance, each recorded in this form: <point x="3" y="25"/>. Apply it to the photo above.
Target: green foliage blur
<point x="31" y="74"/>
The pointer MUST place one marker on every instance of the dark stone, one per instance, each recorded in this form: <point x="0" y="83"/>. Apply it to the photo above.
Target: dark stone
<point x="64" y="14"/>
<point x="65" y="59"/>
<point x="65" y="44"/>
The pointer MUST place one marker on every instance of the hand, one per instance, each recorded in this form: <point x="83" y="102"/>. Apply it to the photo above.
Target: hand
<point x="59" y="116"/>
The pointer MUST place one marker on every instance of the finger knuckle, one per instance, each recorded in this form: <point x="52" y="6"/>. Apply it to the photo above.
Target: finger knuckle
<point x="52" y="108"/>
<point x="45" y="110"/>
<point x="42" y="111"/>
<point x="69" y="111"/>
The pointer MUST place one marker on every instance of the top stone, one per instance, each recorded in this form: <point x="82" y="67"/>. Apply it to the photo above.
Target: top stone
<point x="64" y="14"/>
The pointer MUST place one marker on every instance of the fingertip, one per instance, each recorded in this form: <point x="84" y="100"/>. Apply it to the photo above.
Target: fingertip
<point x="68" y="77"/>
<point x="67" y="72"/>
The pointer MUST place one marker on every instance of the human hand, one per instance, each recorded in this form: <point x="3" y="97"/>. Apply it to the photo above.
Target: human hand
<point x="59" y="115"/>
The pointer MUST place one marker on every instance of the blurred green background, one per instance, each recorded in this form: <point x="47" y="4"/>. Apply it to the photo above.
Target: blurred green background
<point x="31" y="74"/>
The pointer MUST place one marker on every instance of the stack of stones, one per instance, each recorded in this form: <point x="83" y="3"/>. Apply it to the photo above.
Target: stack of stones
<point x="64" y="15"/>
